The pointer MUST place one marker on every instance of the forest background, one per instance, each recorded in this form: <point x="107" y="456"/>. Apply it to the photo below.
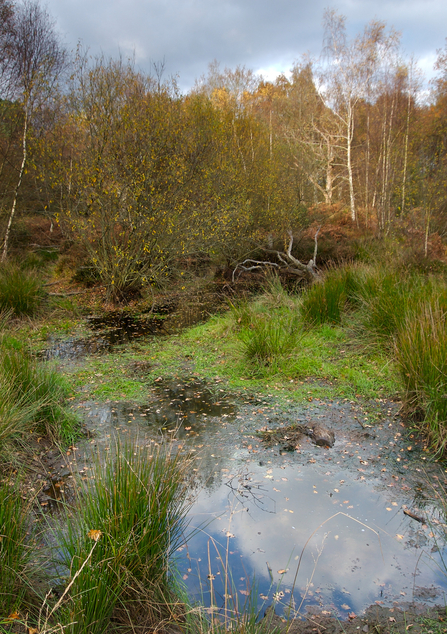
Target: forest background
<point x="138" y="180"/>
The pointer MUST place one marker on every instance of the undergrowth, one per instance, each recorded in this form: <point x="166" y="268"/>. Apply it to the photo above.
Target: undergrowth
<point x="128" y="524"/>
<point x="21" y="290"/>
<point x="32" y="399"/>
<point x="15" y="551"/>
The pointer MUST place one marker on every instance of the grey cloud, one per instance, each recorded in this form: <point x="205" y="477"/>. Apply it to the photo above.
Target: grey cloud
<point x="189" y="34"/>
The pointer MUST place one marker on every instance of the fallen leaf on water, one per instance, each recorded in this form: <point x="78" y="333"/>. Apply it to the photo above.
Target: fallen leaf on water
<point x="399" y="536"/>
<point x="352" y="615"/>
<point x="388" y="508"/>
<point x="345" y="606"/>
<point x="228" y="534"/>
<point x="282" y="571"/>
<point x="246" y="593"/>
<point x="185" y="577"/>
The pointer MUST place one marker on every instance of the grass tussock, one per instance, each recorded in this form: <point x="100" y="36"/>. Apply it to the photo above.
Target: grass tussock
<point x="118" y="552"/>
<point x="421" y="354"/>
<point x="21" y="291"/>
<point x="32" y="399"/>
<point x="265" y="339"/>
<point x="15" y="552"/>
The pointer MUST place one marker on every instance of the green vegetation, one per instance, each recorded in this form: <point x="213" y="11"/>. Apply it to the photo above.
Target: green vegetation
<point x="32" y="398"/>
<point x="388" y="339"/>
<point x="21" y="290"/>
<point x="15" y="552"/>
<point x="117" y="545"/>
<point x="421" y="353"/>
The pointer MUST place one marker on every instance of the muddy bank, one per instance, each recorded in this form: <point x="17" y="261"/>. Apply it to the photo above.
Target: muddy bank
<point x="375" y="620"/>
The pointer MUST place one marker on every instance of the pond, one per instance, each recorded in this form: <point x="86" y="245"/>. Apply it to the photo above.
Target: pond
<point x="312" y="527"/>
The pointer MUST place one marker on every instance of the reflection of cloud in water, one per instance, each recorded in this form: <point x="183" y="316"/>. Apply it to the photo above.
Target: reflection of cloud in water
<point x="355" y="568"/>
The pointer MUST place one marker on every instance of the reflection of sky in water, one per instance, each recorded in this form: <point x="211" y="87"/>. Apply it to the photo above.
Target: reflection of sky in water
<point x="274" y="504"/>
<point x="346" y="562"/>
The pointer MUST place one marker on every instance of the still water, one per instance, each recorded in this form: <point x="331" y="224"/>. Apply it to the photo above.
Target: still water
<point x="312" y="527"/>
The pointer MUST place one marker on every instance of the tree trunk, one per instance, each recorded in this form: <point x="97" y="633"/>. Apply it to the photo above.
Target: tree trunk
<point x="17" y="187"/>
<point x="350" y="135"/>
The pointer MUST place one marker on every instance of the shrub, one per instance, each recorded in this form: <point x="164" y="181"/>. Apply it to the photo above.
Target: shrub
<point x="421" y="354"/>
<point x="21" y="291"/>
<point x="129" y="522"/>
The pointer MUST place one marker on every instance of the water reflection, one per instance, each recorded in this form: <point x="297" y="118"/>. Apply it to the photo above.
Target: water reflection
<point x="120" y="327"/>
<point x="258" y="509"/>
<point x="359" y="547"/>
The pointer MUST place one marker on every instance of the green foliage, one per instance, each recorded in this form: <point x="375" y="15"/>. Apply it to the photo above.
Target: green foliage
<point x="21" y="291"/>
<point x="15" y="553"/>
<point x="119" y="546"/>
<point x="268" y="330"/>
<point x="421" y="353"/>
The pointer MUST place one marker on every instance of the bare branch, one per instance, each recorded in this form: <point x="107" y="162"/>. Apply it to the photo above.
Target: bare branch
<point x="290" y="264"/>
<point x="257" y="264"/>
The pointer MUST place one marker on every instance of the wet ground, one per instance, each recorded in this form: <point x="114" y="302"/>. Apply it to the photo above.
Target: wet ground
<point x="119" y="327"/>
<point x="317" y="528"/>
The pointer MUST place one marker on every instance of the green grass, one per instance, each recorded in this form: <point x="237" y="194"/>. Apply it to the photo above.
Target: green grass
<point x="21" y="291"/>
<point x="335" y="364"/>
<point x="324" y="302"/>
<point x="389" y="298"/>
<point x="421" y="352"/>
<point x="32" y="399"/>
<point x="267" y="337"/>
<point x="118" y="549"/>
<point x="15" y="553"/>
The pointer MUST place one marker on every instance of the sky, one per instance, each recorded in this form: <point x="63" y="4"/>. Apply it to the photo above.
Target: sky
<point x="266" y="36"/>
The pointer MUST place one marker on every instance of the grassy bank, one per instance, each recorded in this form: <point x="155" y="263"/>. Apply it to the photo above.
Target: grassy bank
<point x="360" y="331"/>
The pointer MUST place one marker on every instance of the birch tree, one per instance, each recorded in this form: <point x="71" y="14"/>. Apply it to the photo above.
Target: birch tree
<point x="33" y="60"/>
<point x="347" y="75"/>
